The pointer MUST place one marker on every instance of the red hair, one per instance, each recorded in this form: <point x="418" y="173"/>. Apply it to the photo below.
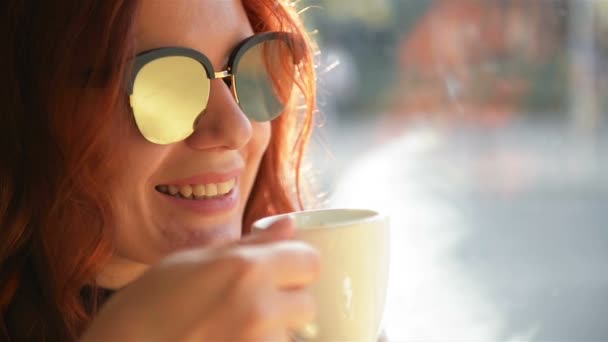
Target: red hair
<point x="55" y="212"/>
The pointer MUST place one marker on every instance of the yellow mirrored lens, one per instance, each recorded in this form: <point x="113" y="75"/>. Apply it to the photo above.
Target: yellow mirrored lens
<point x="264" y="79"/>
<point x="168" y="95"/>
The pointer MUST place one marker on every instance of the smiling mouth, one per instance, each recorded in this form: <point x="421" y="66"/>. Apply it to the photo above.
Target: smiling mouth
<point x="198" y="191"/>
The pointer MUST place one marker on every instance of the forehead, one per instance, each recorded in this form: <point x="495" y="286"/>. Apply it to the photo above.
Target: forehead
<point x="213" y="27"/>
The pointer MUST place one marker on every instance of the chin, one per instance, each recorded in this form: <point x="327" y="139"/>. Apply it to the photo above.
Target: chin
<point x="194" y="238"/>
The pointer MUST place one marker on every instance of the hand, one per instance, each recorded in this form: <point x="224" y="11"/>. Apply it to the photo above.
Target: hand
<point x="252" y="290"/>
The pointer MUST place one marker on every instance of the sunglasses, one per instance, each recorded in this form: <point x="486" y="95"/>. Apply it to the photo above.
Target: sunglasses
<point x="169" y="88"/>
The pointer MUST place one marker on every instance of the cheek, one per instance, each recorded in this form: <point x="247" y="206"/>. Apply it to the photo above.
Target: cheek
<point x="253" y="155"/>
<point x="134" y="214"/>
<point x="139" y="161"/>
<point x="259" y="141"/>
<point x="141" y="158"/>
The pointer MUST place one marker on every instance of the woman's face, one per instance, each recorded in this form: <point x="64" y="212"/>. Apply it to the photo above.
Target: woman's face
<point x="225" y="148"/>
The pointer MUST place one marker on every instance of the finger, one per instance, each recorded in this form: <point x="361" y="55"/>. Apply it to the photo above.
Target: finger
<point x="298" y="307"/>
<point x="282" y="229"/>
<point x="279" y="336"/>
<point x="292" y="264"/>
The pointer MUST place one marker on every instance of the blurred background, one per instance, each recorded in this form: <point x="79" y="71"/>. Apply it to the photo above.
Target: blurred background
<point x="480" y="125"/>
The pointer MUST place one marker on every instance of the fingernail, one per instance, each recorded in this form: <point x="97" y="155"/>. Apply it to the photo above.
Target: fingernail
<point x="284" y="227"/>
<point x="307" y="332"/>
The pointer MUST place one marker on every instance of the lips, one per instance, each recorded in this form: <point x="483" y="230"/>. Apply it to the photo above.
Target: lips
<point x="209" y="193"/>
<point x="198" y="191"/>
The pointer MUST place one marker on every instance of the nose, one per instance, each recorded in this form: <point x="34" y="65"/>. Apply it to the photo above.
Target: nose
<point x="222" y="124"/>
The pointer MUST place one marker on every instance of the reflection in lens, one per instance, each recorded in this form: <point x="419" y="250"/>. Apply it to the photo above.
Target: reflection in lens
<point x="168" y="94"/>
<point x="264" y="79"/>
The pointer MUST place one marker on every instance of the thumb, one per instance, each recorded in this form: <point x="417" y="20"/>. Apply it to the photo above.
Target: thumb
<point x="282" y="229"/>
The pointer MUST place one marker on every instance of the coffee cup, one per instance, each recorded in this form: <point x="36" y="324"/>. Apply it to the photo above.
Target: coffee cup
<point x="351" y="290"/>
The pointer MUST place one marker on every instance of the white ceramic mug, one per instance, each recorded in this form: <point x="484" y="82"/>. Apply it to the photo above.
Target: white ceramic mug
<point x="354" y="247"/>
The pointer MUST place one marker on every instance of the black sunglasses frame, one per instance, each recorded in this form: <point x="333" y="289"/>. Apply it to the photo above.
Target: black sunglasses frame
<point x="295" y="43"/>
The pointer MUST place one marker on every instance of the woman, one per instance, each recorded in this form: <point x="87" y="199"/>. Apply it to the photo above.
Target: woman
<point x="141" y="140"/>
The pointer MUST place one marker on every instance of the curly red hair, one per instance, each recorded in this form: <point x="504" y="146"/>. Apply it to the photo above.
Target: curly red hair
<point x="55" y="211"/>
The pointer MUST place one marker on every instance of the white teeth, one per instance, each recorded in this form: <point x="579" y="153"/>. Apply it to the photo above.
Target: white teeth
<point x="211" y="189"/>
<point x="198" y="191"/>
<point x="185" y="191"/>
<point x="173" y="190"/>
<point x="224" y="188"/>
